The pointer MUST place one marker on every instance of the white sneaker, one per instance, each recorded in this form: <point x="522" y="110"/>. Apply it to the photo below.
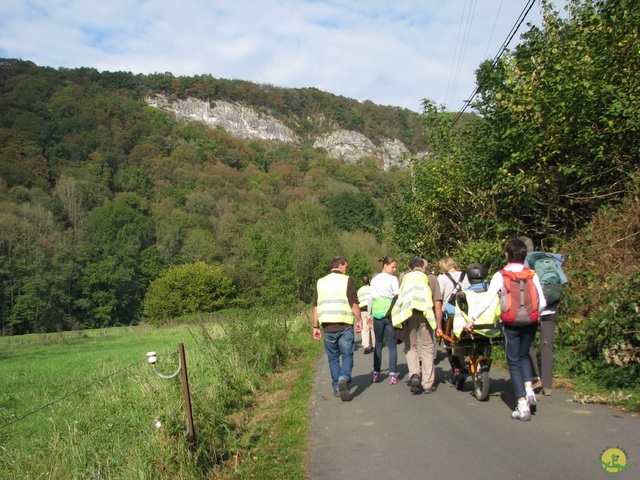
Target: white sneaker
<point x="521" y="413"/>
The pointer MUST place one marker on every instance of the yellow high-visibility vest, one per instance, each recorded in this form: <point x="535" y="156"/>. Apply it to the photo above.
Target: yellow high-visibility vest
<point x="333" y="304"/>
<point x="364" y="296"/>
<point x="488" y="323"/>
<point x="414" y="294"/>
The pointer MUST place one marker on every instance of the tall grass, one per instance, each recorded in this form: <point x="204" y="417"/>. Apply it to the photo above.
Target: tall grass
<point x="108" y="415"/>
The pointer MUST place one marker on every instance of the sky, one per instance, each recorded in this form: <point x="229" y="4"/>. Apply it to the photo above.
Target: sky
<point x="391" y="52"/>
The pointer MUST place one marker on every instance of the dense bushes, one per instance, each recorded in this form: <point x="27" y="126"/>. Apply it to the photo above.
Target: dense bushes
<point x="187" y="288"/>
<point x="599" y="330"/>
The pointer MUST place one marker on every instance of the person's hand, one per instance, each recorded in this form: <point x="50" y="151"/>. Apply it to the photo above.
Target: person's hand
<point x="317" y="333"/>
<point x="439" y="332"/>
<point x="370" y="322"/>
<point x="469" y="326"/>
<point x="359" y="326"/>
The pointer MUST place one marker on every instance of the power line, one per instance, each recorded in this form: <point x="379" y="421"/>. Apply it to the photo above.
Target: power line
<point x="472" y="9"/>
<point x="505" y="44"/>
<point x="495" y="22"/>
<point x="455" y="53"/>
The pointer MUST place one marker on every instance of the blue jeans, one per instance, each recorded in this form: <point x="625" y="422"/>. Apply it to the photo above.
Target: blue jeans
<point x="517" y="341"/>
<point x="383" y="329"/>
<point x="338" y="344"/>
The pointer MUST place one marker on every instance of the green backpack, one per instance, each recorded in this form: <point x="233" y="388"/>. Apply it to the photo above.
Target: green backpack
<point x="548" y="273"/>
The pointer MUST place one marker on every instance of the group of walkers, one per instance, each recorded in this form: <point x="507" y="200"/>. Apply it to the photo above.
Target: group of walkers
<point x="410" y="310"/>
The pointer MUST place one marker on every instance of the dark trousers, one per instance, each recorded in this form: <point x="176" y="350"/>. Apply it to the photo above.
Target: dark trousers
<point x="545" y="371"/>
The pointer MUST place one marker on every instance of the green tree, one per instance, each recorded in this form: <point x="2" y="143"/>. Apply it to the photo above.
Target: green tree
<point x="561" y="117"/>
<point x="557" y="137"/>
<point x="187" y="288"/>
<point x="358" y="266"/>
<point x="112" y="282"/>
<point x="355" y="210"/>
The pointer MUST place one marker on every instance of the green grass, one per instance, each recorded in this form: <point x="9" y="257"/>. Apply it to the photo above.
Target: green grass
<point x="101" y="400"/>
<point x="275" y="443"/>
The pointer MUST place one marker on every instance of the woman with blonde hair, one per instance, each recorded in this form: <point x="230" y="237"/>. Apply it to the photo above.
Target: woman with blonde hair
<point x="451" y="281"/>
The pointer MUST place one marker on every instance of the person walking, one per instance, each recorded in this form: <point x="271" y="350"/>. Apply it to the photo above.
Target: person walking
<point x="419" y="311"/>
<point x="517" y="339"/>
<point x="384" y="289"/>
<point x="549" y="265"/>
<point x="335" y="308"/>
<point x="471" y="295"/>
<point x="364" y="300"/>
<point x="451" y="281"/>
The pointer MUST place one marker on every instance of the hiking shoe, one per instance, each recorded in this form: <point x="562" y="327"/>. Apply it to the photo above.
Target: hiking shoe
<point x="343" y="388"/>
<point x="375" y="378"/>
<point x="429" y="390"/>
<point x="393" y="379"/>
<point x="368" y="350"/>
<point x="546" y="392"/>
<point x="531" y="400"/>
<point x="336" y="393"/>
<point x="415" y="384"/>
<point x="521" y="413"/>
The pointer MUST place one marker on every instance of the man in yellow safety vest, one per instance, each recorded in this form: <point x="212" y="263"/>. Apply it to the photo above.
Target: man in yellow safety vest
<point x="419" y="311"/>
<point x="335" y="307"/>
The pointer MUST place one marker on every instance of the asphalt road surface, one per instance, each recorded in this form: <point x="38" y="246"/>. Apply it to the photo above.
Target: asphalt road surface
<point x="387" y="432"/>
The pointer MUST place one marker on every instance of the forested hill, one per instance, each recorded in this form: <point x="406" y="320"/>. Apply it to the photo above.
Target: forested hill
<point x="100" y="193"/>
<point x="307" y="113"/>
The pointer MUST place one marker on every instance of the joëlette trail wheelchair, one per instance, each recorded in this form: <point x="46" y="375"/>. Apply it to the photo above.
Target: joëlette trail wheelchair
<point x="469" y="353"/>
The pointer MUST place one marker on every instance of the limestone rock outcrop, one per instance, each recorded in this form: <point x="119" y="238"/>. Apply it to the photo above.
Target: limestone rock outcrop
<point x="245" y="122"/>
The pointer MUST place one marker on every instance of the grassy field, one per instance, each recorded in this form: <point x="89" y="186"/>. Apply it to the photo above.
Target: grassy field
<point x="87" y="405"/>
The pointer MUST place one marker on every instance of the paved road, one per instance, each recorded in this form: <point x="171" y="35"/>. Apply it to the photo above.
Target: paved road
<point x="386" y="432"/>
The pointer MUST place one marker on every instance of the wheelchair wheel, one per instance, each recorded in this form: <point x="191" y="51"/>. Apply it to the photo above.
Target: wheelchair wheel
<point x="481" y="383"/>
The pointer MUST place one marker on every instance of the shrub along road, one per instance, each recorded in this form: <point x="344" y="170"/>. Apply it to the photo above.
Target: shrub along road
<point x="387" y="432"/>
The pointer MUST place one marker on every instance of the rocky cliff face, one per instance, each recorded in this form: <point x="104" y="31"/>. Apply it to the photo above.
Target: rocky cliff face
<point x="236" y="119"/>
<point x="245" y="122"/>
<point x="352" y="146"/>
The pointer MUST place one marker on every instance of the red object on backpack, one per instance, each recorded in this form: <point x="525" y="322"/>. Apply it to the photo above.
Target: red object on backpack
<point x="520" y="304"/>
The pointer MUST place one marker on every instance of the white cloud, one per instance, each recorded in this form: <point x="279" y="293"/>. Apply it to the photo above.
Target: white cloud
<point x="392" y="53"/>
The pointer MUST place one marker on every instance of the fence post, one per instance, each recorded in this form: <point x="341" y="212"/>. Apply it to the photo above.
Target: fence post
<point x="187" y="396"/>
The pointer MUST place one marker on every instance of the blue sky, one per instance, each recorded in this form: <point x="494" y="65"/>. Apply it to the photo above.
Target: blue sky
<point x="392" y="52"/>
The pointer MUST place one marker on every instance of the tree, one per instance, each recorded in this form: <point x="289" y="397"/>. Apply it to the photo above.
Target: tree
<point x="79" y="195"/>
<point x="557" y="137"/>
<point x="112" y="283"/>
<point x="187" y="288"/>
<point x="355" y="211"/>
<point x="561" y="117"/>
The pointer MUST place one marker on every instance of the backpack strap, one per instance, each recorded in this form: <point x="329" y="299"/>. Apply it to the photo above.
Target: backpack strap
<point x="456" y="286"/>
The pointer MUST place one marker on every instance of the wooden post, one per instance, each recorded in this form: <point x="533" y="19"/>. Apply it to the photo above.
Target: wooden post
<point x="187" y="396"/>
